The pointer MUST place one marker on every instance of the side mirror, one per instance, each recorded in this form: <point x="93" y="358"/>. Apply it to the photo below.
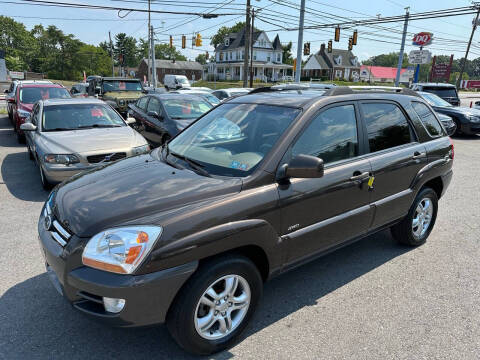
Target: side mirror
<point x="155" y="115"/>
<point x="28" y="126"/>
<point x="302" y="166"/>
<point x="6" y="91"/>
<point x="130" y="120"/>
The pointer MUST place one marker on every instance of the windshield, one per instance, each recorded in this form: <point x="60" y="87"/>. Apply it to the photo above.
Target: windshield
<point x="232" y="139"/>
<point x="79" y="116"/>
<point x="212" y="99"/>
<point x="185" y="108"/>
<point x="443" y="92"/>
<point x="434" y="100"/>
<point x="120" y="85"/>
<point x="182" y="80"/>
<point x="31" y="95"/>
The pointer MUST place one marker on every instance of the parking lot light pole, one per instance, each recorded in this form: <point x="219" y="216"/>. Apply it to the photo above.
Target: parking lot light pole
<point x="247" y="45"/>
<point x="154" y="67"/>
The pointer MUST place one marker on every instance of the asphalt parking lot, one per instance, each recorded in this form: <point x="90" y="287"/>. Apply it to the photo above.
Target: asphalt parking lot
<point x="372" y="300"/>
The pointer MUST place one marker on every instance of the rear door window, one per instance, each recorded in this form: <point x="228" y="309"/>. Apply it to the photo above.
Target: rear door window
<point x="387" y="126"/>
<point x="154" y="105"/>
<point x="429" y="120"/>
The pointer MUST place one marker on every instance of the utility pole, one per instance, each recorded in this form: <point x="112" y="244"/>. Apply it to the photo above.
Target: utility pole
<point x="111" y="53"/>
<point x="247" y="45"/>
<point x="402" y="47"/>
<point x="154" y="68"/>
<point x="300" y="42"/>
<point x="149" y="51"/>
<point x="468" y="46"/>
<point x="251" y="47"/>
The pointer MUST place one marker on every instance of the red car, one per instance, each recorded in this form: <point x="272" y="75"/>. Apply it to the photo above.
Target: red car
<point x="26" y="96"/>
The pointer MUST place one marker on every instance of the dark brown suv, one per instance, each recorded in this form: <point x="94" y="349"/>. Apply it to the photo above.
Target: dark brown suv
<point x="188" y="233"/>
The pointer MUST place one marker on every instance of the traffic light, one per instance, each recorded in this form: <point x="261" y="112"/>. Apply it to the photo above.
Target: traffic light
<point x="350" y="45"/>
<point x="337" y="33"/>
<point x="184" y="41"/>
<point x="171" y="41"/>
<point x="355" y="37"/>
<point x="294" y="64"/>
<point x="198" y="40"/>
<point x="329" y="46"/>
<point x="306" y="49"/>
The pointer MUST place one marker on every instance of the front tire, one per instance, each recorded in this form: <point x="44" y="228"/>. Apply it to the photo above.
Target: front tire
<point x="414" y="229"/>
<point x="45" y="183"/>
<point x="215" y="305"/>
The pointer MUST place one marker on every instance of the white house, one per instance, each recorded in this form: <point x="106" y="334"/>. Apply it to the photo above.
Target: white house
<point x="229" y="58"/>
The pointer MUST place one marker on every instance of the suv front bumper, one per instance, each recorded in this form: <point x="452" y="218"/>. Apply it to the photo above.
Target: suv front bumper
<point x="147" y="297"/>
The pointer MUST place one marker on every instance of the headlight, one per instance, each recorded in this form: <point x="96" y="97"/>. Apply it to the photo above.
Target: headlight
<point x="65" y="159"/>
<point x="120" y="250"/>
<point x="121" y="102"/>
<point x="140" y="150"/>
<point x="23" y="113"/>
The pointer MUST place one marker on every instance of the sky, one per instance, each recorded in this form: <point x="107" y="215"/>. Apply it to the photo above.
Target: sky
<point x="92" y="26"/>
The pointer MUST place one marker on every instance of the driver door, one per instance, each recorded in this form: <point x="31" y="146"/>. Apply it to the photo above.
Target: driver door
<point x="321" y="213"/>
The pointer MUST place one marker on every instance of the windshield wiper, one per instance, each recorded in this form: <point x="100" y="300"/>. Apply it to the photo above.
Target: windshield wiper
<point x="193" y="164"/>
<point x="60" y="129"/>
<point x="98" y="126"/>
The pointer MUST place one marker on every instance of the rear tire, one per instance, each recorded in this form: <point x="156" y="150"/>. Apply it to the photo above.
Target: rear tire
<point x="206" y="317"/>
<point x="414" y="229"/>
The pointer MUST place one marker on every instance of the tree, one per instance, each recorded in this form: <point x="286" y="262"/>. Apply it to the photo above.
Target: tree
<point x="201" y="58"/>
<point x="219" y="37"/>
<point x="165" y="52"/>
<point x="126" y="47"/>
<point x="287" y="54"/>
<point x="142" y="49"/>
<point x="389" y="60"/>
<point x="93" y="60"/>
<point x="16" y="41"/>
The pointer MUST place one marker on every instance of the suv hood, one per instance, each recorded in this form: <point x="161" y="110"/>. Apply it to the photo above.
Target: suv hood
<point x="457" y="110"/>
<point x="129" y="190"/>
<point x="122" y="95"/>
<point x="86" y="140"/>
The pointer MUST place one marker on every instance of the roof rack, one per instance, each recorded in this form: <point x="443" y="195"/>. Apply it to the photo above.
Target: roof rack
<point x="282" y="87"/>
<point x="345" y="90"/>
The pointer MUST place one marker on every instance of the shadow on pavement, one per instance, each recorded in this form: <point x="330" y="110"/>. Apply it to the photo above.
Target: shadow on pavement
<point x="40" y="324"/>
<point x="8" y="138"/>
<point x="22" y="178"/>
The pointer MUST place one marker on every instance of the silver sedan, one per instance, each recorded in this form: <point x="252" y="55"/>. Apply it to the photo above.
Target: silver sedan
<point x="68" y="136"/>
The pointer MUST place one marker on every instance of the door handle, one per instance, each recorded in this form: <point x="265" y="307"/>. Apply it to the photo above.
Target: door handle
<point x="359" y="177"/>
<point x="418" y="155"/>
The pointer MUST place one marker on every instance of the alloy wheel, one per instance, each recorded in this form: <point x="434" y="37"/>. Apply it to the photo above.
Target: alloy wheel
<point x="422" y="218"/>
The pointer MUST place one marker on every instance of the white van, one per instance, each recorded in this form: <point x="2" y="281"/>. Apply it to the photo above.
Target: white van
<point x="176" y="82"/>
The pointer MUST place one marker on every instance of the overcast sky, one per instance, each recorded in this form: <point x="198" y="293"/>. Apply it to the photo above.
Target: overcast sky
<point x="92" y="26"/>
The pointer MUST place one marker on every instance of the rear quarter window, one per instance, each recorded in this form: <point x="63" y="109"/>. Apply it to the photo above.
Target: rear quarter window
<point x="428" y="119"/>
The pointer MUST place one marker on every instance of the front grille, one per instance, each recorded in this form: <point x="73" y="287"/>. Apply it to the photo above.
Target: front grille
<point x="95" y="159"/>
<point x="57" y="231"/>
<point x="131" y="101"/>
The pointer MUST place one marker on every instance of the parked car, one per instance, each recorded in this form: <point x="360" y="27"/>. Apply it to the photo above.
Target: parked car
<point x="196" y="88"/>
<point x="447" y="92"/>
<point x="447" y="123"/>
<point x="160" y="117"/>
<point x="11" y="92"/>
<point x="79" y="90"/>
<point x="152" y="90"/>
<point x="212" y="99"/>
<point x="117" y="92"/>
<point x="476" y="105"/>
<point x="262" y="183"/>
<point x="223" y="94"/>
<point x="68" y="136"/>
<point x="467" y="120"/>
<point x="26" y="95"/>
<point x="174" y="82"/>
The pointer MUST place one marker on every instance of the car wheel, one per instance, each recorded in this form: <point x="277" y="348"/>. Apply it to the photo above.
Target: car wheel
<point x="215" y="305"/>
<point x="45" y="183"/>
<point x="458" y="130"/>
<point x="414" y="229"/>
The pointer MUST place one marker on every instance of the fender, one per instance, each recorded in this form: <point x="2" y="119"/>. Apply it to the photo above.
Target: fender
<point x="219" y="239"/>
<point x="430" y="171"/>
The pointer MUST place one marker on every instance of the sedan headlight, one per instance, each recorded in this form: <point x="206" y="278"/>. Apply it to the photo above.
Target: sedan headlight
<point x="120" y="250"/>
<point x="140" y="150"/>
<point x="65" y="159"/>
<point x="23" y="113"/>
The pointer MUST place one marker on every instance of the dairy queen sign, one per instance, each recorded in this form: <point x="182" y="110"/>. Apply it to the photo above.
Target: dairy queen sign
<point x="422" y="39"/>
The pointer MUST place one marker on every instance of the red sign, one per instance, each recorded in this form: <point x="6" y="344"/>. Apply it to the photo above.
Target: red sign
<point x="470" y="84"/>
<point x="422" y="39"/>
<point x="441" y="71"/>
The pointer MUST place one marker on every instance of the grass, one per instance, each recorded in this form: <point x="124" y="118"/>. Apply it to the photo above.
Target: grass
<point x="67" y="83"/>
<point x="3" y="111"/>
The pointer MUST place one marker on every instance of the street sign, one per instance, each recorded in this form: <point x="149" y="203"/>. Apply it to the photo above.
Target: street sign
<point x="419" y="57"/>
<point x="422" y="39"/>
<point x="17" y="75"/>
<point x="440" y="70"/>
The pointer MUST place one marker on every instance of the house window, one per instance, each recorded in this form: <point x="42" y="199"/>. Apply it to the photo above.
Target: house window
<point x="254" y="55"/>
<point x="221" y="56"/>
<point x="231" y="55"/>
<point x="268" y="58"/>
<point x="279" y="57"/>
<point x="227" y="41"/>
<point x="338" y="74"/>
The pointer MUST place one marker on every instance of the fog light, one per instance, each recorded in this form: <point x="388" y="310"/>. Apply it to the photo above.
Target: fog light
<point x="113" y="305"/>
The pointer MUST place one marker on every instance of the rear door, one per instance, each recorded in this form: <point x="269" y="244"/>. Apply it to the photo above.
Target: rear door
<point x="154" y="128"/>
<point x="321" y="213"/>
<point x="396" y="157"/>
<point x="137" y="111"/>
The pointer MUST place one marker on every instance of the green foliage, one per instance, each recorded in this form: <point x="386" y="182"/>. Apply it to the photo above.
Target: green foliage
<point x="389" y="60"/>
<point x="126" y="48"/>
<point x="287" y="54"/>
<point x="219" y="37"/>
<point x="165" y="52"/>
<point x="201" y="58"/>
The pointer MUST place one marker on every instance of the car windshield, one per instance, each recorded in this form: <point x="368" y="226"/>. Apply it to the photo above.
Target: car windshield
<point x="443" y="92"/>
<point x="182" y="80"/>
<point x="434" y="100"/>
<point x="30" y="95"/>
<point x="120" y="85"/>
<point x="233" y="139"/>
<point x="185" y="108"/>
<point x="79" y="116"/>
<point x="212" y="99"/>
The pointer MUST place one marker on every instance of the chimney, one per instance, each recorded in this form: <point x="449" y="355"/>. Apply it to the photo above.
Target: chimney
<point x="322" y="48"/>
